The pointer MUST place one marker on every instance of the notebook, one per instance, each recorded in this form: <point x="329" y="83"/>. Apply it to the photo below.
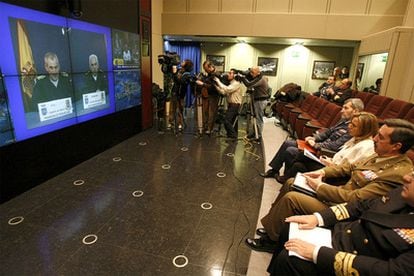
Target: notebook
<point x="300" y="184"/>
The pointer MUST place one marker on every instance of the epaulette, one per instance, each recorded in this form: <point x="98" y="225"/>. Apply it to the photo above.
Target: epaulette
<point x="64" y="74"/>
<point x="41" y="77"/>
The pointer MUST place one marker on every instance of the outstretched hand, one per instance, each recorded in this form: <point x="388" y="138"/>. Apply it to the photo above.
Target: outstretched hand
<point x="304" y="222"/>
<point x="302" y="248"/>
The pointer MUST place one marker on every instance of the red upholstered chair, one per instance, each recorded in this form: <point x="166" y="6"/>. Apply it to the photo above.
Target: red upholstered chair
<point x="288" y="107"/>
<point x="329" y="117"/>
<point x="377" y="104"/>
<point x="312" y="114"/>
<point x="364" y="96"/>
<point x="410" y="115"/>
<point x="395" y="109"/>
<point x="306" y="106"/>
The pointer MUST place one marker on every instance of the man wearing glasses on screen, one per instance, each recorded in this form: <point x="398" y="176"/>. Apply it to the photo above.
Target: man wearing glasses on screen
<point x="52" y="92"/>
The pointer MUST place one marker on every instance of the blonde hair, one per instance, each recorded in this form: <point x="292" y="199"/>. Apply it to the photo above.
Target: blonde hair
<point x="368" y="125"/>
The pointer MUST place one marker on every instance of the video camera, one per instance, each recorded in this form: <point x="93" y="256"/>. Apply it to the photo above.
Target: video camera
<point x="223" y="77"/>
<point x="168" y="60"/>
<point x="240" y="74"/>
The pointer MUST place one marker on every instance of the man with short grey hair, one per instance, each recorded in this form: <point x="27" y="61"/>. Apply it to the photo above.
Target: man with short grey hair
<point x="331" y="139"/>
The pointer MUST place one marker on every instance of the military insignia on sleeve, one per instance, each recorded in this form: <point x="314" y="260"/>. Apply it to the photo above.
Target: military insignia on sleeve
<point x="340" y="211"/>
<point x="343" y="264"/>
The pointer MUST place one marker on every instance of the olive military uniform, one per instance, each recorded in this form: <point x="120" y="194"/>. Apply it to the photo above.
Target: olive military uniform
<point x="369" y="178"/>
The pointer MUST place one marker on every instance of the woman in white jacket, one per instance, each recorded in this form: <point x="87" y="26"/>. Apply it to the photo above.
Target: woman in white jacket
<point x="363" y="127"/>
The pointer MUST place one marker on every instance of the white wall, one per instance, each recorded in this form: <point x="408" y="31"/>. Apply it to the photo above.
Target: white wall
<point x="295" y="63"/>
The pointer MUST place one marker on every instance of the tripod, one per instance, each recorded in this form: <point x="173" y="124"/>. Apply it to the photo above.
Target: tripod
<point x="250" y="115"/>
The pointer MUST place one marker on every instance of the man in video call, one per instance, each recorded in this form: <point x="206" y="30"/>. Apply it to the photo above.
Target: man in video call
<point x="95" y="79"/>
<point x="54" y="85"/>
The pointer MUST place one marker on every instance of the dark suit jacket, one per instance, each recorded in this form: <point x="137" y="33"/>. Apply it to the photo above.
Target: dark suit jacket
<point x="378" y="240"/>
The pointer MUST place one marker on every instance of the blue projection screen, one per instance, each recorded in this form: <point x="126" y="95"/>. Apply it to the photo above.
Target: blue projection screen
<point x="58" y="72"/>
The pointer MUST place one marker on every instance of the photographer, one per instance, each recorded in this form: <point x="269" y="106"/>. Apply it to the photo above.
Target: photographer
<point x="210" y="96"/>
<point x="233" y="94"/>
<point x="258" y="87"/>
<point x="181" y="79"/>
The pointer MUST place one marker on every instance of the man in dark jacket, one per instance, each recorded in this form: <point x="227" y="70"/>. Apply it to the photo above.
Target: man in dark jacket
<point x="369" y="178"/>
<point x="332" y="139"/>
<point x="371" y="237"/>
<point x="258" y="87"/>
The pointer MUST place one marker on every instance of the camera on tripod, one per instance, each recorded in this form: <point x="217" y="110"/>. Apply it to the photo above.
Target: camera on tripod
<point x="240" y="74"/>
<point x="223" y="77"/>
<point x="168" y="60"/>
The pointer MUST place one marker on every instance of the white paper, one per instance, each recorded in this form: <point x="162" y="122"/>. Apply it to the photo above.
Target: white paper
<point x="312" y="156"/>
<point x="54" y="109"/>
<point x="300" y="184"/>
<point x="94" y="99"/>
<point x="317" y="236"/>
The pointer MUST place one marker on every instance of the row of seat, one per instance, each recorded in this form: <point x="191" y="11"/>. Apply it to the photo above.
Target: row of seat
<point x="312" y="113"/>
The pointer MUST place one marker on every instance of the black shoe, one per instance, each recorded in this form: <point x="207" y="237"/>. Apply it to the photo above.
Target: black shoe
<point x="269" y="173"/>
<point x="261" y="244"/>
<point x="261" y="232"/>
<point x="281" y="179"/>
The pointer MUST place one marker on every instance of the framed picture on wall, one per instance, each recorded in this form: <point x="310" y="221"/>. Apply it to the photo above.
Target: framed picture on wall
<point x="218" y="62"/>
<point x="322" y="69"/>
<point x="360" y="70"/>
<point x="268" y="66"/>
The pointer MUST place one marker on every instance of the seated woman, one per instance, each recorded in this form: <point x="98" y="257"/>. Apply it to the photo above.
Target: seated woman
<point x="363" y="127"/>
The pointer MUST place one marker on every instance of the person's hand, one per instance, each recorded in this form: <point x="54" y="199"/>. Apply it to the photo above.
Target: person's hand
<point x="311" y="143"/>
<point x="174" y="69"/>
<point x="314" y="183"/>
<point x="304" y="222"/>
<point x="308" y="138"/>
<point x="315" y="174"/>
<point x="199" y="82"/>
<point x="330" y="91"/>
<point x="326" y="160"/>
<point x="303" y="248"/>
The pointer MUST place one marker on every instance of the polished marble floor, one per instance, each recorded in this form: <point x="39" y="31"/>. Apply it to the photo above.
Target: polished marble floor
<point x="155" y="204"/>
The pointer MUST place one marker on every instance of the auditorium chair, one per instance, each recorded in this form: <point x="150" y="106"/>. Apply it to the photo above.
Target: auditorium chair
<point x="286" y="109"/>
<point x="306" y="106"/>
<point x="410" y="115"/>
<point x="395" y="109"/>
<point x="314" y="113"/>
<point x="364" y="96"/>
<point x="329" y="117"/>
<point x="377" y="104"/>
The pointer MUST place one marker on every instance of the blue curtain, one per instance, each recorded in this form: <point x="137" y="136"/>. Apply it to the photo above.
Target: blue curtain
<point x="191" y="51"/>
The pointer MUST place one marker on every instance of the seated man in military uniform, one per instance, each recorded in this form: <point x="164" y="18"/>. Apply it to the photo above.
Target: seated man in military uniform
<point x="371" y="237"/>
<point x="369" y="178"/>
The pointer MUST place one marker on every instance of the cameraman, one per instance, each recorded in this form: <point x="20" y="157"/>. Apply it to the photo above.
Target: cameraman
<point x="233" y="93"/>
<point x="258" y="87"/>
<point x="210" y="96"/>
<point x="181" y="79"/>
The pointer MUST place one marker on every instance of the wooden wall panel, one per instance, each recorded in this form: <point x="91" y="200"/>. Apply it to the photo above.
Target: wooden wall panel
<point x="271" y="6"/>
<point x="175" y="5"/>
<point x="306" y="6"/>
<point x="203" y="6"/>
<point x="237" y="6"/>
<point x="348" y="6"/>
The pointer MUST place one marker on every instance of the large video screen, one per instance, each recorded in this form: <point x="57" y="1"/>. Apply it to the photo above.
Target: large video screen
<point x="6" y="130"/>
<point x="126" y="64"/>
<point x="59" y="71"/>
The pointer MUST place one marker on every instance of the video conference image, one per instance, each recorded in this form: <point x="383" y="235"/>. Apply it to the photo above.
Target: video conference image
<point x="59" y="72"/>
<point x="6" y="131"/>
